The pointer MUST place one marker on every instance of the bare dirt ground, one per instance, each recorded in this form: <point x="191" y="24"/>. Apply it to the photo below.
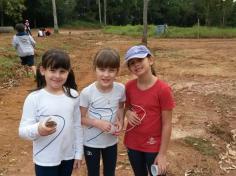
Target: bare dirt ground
<point x="202" y="73"/>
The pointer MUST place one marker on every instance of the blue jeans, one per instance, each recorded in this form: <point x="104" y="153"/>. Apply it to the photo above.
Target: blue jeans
<point x="92" y="158"/>
<point x="141" y="161"/>
<point x="64" y="169"/>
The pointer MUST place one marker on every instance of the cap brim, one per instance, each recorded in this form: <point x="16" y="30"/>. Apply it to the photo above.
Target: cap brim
<point x="143" y="55"/>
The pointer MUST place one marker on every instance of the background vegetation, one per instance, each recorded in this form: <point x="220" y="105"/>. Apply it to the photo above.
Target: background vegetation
<point x="183" y="13"/>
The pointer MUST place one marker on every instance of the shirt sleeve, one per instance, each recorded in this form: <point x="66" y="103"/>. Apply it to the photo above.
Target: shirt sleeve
<point x="32" y="41"/>
<point x="166" y="99"/>
<point x="123" y="97"/>
<point x="14" y="43"/>
<point x="84" y="98"/>
<point x="78" y="131"/>
<point x="28" y="128"/>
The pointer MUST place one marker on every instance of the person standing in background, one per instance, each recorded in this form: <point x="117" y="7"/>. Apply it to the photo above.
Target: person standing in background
<point x="24" y="44"/>
<point x="27" y="27"/>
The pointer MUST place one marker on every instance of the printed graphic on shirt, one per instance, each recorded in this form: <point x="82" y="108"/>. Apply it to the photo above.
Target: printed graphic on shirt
<point x="151" y="141"/>
<point x="60" y="121"/>
<point x="100" y="113"/>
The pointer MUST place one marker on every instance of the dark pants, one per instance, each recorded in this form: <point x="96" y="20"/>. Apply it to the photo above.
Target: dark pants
<point x="64" y="169"/>
<point x="27" y="60"/>
<point x="92" y="158"/>
<point x="141" y="162"/>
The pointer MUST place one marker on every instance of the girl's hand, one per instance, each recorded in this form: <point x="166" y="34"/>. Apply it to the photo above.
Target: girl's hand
<point x="119" y="126"/>
<point x="162" y="164"/>
<point x="45" y="130"/>
<point x="104" y="125"/>
<point x="132" y="118"/>
<point x="77" y="164"/>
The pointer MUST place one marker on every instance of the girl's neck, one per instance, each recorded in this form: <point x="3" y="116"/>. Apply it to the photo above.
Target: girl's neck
<point x="55" y="92"/>
<point x="104" y="89"/>
<point x="146" y="81"/>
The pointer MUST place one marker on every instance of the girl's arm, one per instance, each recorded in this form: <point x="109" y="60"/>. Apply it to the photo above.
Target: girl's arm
<point x="165" y="139"/>
<point x="28" y="128"/>
<point x="78" y="132"/>
<point x="120" y="118"/>
<point x="32" y="41"/>
<point x="98" y="123"/>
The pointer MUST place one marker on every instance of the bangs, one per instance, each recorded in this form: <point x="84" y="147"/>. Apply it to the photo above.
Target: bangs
<point x="57" y="60"/>
<point x="107" y="60"/>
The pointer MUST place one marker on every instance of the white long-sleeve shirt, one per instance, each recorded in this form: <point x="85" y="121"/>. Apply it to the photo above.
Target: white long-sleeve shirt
<point x="67" y="142"/>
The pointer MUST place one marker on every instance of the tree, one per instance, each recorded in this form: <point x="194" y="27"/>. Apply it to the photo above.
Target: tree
<point x="105" y="12"/>
<point x="56" y="30"/>
<point x="11" y="9"/>
<point x="99" y="11"/>
<point x="145" y="10"/>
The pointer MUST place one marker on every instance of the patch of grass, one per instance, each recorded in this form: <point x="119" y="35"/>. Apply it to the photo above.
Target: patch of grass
<point x="173" y="32"/>
<point x="7" y="63"/>
<point x="129" y="30"/>
<point x="7" y="68"/>
<point x="202" y="145"/>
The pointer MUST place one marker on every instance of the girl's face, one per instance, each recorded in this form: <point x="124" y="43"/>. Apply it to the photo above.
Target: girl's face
<point x="140" y="66"/>
<point x="55" y="78"/>
<point x="105" y="77"/>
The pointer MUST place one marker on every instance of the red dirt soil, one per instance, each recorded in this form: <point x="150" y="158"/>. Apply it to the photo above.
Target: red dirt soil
<point x="201" y="73"/>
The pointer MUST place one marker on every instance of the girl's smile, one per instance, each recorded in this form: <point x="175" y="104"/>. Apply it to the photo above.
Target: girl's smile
<point x="55" y="78"/>
<point x="105" y="78"/>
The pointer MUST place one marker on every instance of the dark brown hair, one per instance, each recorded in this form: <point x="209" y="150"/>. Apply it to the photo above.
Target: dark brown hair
<point x="20" y="27"/>
<point x="54" y="59"/>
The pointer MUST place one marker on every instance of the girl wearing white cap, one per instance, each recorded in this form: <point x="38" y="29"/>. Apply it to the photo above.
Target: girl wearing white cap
<point x="149" y="104"/>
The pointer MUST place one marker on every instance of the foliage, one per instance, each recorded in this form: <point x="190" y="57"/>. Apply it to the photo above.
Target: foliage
<point x="11" y="10"/>
<point x="40" y="12"/>
<point x="182" y="13"/>
<point x="82" y="24"/>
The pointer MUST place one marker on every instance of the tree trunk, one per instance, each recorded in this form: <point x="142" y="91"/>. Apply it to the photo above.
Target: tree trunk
<point x="1" y="11"/>
<point x="105" y="12"/>
<point x="99" y="9"/>
<point x="56" y="30"/>
<point x="145" y="30"/>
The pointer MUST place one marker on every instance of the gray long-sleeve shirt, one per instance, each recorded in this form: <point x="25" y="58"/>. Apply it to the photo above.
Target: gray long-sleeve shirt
<point x="24" y="44"/>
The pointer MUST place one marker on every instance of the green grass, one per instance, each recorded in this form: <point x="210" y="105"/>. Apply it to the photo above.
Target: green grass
<point x="82" y="25"/>
<point x="173" y="32"/>
<point x="7" y="67"/>
<point x="202" y="145"/>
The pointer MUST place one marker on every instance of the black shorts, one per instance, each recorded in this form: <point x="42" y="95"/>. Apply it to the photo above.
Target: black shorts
<point x="27" y="60"/>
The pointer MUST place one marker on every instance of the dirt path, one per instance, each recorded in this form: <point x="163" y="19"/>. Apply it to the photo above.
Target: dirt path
<point x="202" y="74"/>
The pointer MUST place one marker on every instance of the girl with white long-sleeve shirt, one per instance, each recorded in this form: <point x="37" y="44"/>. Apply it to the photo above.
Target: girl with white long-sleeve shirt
<point x="51" y="118"/>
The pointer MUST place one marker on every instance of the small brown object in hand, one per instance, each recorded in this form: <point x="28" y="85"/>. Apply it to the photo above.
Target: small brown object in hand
<point x="51" y="124"/>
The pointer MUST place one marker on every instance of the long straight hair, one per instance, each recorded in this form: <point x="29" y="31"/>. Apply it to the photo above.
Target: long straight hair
<point x="54" y="59"/>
